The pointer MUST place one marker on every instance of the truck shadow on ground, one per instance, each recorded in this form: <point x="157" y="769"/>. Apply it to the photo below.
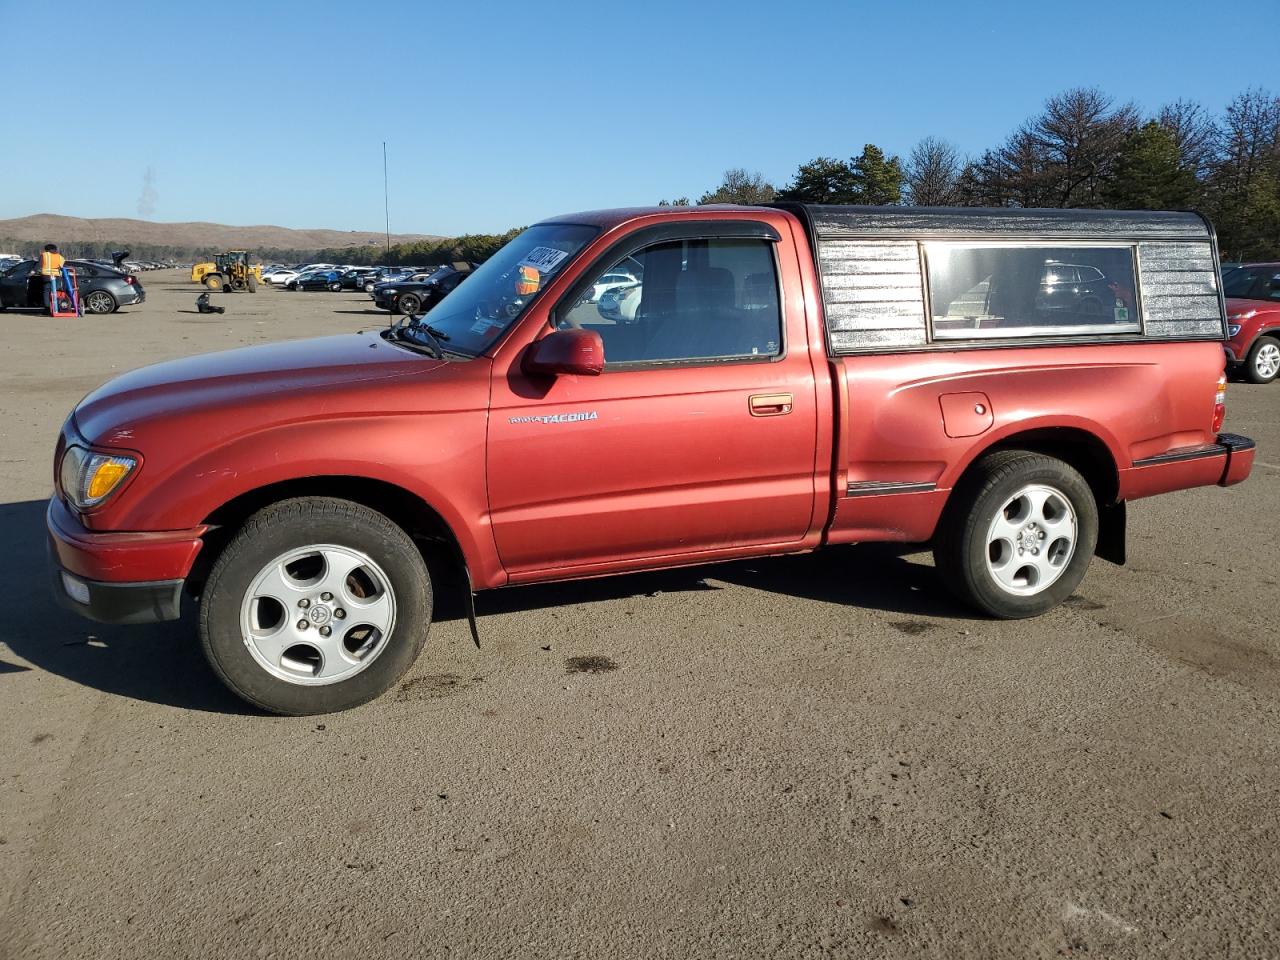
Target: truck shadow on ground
<point x="162" y="663"/>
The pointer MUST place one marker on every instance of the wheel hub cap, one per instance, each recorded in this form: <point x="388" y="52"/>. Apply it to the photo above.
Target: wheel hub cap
<point x="1268" y="362"/>
<point x="1031" y="540"/>
<point x="318" y="615"/>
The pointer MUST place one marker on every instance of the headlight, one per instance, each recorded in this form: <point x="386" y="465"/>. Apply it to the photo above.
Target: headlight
<point x="88" y="478"/>
<point x="389" y="292"/>
<point x="1233" y="329"/>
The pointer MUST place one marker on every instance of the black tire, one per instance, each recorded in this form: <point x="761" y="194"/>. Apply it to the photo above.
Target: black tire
<point x="99" y="302"/>
<point x="252" y="283"/>
<point x="368" y="288"/>
<point x="961" y="547"/>
<point x="1263" y="347"/>
<point x="335" y="287"/>
<point x="408" y="304"/>
<point x="273" y="532"/>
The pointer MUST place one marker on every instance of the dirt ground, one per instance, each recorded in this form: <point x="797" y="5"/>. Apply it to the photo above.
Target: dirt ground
<point x="810" y="757"/>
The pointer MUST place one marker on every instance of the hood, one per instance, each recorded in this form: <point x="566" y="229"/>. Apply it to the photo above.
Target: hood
<point x="244" y="383"/>
<point x="1243" y="305"/>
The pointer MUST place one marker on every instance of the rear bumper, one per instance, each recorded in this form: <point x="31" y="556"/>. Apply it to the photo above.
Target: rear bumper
<point x="1224" y="463"/>
<point x="118" y="577"/>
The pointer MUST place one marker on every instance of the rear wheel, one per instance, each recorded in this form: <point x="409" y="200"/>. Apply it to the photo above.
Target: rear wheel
<point x="213" y="281"/>
<point x="252" y="283"/>
<point x="335" y="286"/>
<point x="368" y="287"/>
<point x="99" y="301"/>
<point x="1018" y="534"/>
<point x="316" y="605"/>
<point x="1263" y="363"/>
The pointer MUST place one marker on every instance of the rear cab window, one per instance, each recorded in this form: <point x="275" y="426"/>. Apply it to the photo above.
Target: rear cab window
<point x="997" y="290"/>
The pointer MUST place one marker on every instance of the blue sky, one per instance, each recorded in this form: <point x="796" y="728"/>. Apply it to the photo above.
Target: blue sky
<point x="498" y="114"/>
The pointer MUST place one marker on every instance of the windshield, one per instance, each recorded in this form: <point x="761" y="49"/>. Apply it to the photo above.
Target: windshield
<point x="1239" y="281"/>
<point x="493" y="297"/>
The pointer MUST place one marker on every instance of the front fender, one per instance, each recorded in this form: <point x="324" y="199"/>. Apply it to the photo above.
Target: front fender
<point x="437" y="457"/>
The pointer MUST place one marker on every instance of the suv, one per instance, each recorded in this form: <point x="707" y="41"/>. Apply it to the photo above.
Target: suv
<point x="791" y="377"/>
<point x="1253" y="319"/>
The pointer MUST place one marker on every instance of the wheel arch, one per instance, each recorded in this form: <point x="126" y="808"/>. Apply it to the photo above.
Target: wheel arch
<point x="1086" y="451"/>
<point x="440" y="546"/>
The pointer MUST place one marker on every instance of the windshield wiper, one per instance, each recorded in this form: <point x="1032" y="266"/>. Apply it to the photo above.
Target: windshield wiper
<point x="432" y="348"/>
<point x="435" y="337"/>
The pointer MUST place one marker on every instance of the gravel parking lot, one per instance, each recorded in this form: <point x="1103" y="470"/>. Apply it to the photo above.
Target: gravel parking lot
<point x="802" y="757"/>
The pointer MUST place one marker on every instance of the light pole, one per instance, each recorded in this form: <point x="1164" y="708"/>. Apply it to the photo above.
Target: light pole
<point x="386" y="201"/>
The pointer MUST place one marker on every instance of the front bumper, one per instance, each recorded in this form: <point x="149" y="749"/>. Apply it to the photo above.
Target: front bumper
<point x="118" y="577"/>
<point x="118" y="602"/>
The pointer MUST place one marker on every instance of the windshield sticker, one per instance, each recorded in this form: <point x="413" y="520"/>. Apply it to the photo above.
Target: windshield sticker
<point x="544" y="258"/>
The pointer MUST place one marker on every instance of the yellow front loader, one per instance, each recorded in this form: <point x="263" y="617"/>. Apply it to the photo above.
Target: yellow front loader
<point x="228" y="271"/>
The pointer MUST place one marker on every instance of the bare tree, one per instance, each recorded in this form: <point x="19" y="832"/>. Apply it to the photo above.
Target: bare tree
<point x="740" y="186"/>
<point x="1080" y="135"/>
<point x="1250" y="138"/>
<point x="933" y="174"/>
<point x="1194" y="132"/>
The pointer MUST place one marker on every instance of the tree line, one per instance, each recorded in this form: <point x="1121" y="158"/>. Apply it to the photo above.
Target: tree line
<point x="475" y="247"/>
<point x="1083" y="149"/>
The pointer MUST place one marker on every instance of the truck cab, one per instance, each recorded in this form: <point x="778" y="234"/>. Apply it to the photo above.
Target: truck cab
<point x="999" y="383"/>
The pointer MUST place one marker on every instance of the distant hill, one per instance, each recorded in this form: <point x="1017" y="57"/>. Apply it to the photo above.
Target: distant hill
<point x="52" y="228"/>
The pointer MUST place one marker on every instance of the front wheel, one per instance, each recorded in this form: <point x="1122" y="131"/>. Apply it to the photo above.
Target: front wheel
<point x="316" y="605"/>
<point x="1263" y="363"/>
<point x="1018" y="534"/>
<point x="252" y="283"/>
<point x="213" y="281"/>
<point x="409" y="304"/>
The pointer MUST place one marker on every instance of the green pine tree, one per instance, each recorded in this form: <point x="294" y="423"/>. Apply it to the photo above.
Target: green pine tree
<point x="1149" y="173"/>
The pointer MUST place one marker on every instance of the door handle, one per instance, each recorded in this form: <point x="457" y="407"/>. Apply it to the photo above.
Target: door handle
<point x="769" y="404"/>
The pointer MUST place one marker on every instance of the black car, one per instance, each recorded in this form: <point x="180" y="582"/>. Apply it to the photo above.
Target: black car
<point x="1079" y="289"/>
<point x="101" y="288"/>
<point x="413" y="297"/>
<point x="354" y="279"/>
<point x="317" y="280"/>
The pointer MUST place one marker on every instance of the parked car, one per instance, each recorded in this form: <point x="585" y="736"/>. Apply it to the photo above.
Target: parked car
<point x="415" y="296"/>
<point x="283" y="277"/>
<point x="758" y="405"/>
<point x="619" y="303"/>
<point x="319" y="280"/>
<point x="611" y="281"/>
<point x="101" y="289"/>
<point x="387" y="275"/>
<point x="354" y="278"/>
<point x="1253" y="320"/>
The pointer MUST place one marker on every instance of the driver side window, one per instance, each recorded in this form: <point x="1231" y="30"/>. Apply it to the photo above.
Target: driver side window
<point x="685" y="300"/>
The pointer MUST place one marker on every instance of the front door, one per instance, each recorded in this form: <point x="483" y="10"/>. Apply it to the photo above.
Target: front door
<point x="699" y="435"/>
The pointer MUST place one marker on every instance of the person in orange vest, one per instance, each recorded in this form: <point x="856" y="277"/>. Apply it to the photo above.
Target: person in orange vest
<point x="51" y="263"/>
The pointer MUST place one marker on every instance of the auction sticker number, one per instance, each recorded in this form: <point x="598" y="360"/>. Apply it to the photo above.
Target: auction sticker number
<point x="544" y="258"/>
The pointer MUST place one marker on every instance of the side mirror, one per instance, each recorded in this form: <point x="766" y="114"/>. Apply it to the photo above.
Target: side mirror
<point x="566" y="351"/>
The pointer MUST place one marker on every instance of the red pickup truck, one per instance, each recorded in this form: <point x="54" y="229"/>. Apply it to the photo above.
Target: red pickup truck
<point x="634" y="389"/>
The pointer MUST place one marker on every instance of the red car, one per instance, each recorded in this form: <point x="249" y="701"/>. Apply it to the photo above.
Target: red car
<point x="1253" y="319"/>
<point x="791" y="377"/>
